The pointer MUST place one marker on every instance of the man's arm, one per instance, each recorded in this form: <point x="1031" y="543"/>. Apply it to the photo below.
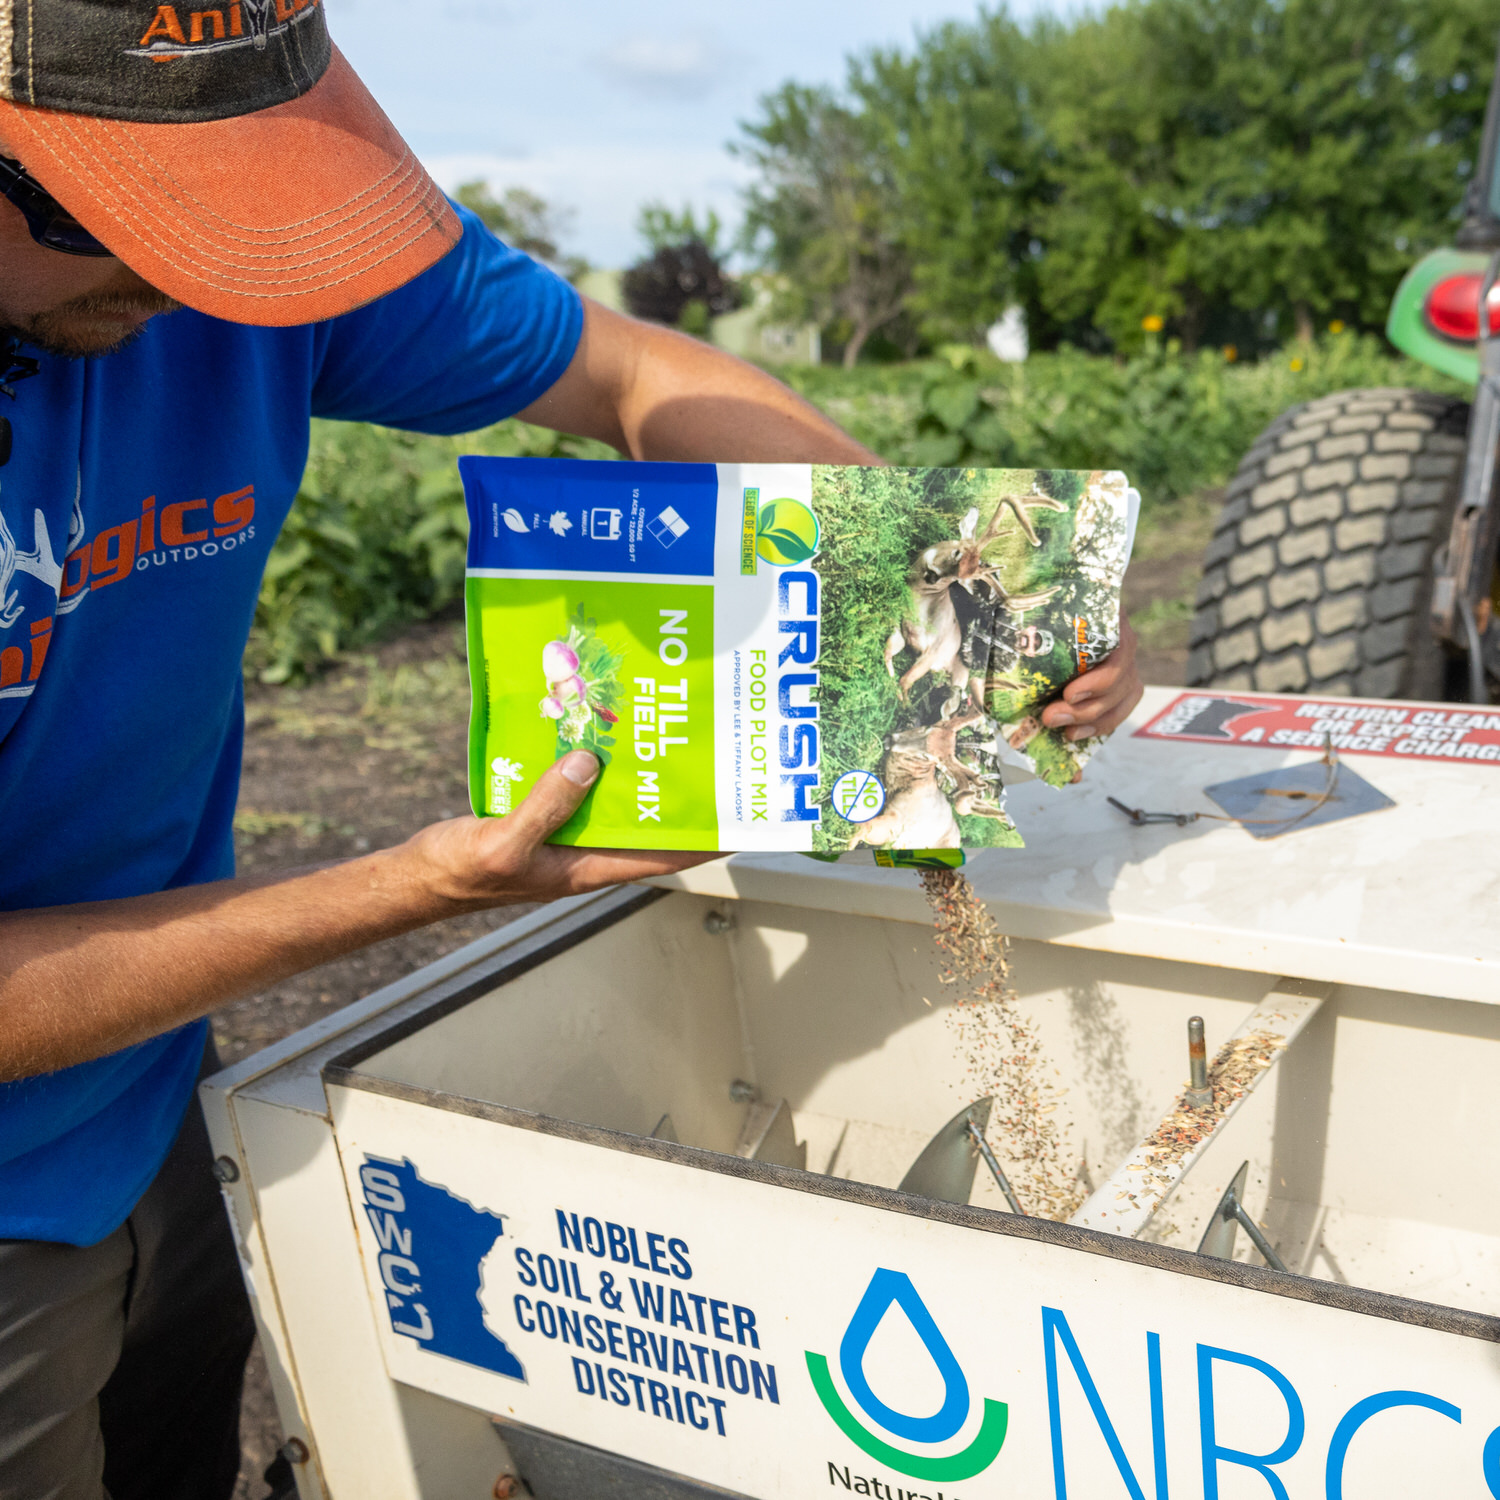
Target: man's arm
<point x="79" y="981"/>
<point x="655" y="393"/>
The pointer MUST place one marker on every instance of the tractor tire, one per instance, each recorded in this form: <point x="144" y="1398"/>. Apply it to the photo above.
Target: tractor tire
<point x="1319" y="574"/>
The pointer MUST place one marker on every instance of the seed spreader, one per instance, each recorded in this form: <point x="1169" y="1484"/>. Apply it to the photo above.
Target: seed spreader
<point x="696" y="1188"/>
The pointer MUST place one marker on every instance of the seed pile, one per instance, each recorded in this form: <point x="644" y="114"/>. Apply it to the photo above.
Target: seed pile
<point x="1231" y="1076"/>
<point x="1001" y="1050"/>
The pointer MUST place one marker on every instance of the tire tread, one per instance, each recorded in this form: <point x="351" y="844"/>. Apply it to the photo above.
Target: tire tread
<point x="1351" y="492"/>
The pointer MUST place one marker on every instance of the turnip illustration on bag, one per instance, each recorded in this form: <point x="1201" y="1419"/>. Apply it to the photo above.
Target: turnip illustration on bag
<point x="784" y="656"/>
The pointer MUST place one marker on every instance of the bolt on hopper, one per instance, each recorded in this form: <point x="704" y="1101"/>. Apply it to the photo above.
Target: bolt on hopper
<point x="683" y="1191"/>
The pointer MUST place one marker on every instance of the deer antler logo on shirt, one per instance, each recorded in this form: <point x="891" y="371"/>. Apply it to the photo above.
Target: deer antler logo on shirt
<point x="41" y="562"/>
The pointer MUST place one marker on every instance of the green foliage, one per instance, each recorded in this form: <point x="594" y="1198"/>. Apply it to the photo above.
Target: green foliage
<point x="823" y="215"/>
<point x="876" y="521"/>
<point x="377" y="537"/>
<point x="1283" y="158"/>
<point x="683" y="281"/>
<point x="1174" y="423"/>
<point x="965" y="165"/>
<point x="525" y="221"/>
<point x="695" y="318"/>
<point x="664" y="229"/>
<point x="379" y="532"/>
<point x="1236" y="169"/>
<point x="881" y="518"/>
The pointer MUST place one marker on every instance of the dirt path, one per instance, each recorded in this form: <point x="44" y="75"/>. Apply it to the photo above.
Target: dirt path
<point x="366" y="756"/>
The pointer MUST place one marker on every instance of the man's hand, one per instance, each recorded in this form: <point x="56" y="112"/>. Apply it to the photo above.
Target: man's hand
<point x="1102" y="699"/>
<point x="480" y="862"/>
<point x="79" y="981"/>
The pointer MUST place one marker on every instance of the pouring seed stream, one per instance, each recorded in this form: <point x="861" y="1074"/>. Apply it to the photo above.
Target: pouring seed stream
<point x="1002" y="1051"/>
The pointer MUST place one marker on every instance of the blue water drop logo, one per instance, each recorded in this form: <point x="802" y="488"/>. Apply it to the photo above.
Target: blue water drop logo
<point x="893" y="1289"/>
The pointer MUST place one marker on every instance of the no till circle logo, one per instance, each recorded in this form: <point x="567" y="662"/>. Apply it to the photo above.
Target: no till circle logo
<point x="858" y="796"/>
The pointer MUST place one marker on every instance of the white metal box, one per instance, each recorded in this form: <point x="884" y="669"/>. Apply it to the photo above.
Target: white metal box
<point x="453" y="1209"/>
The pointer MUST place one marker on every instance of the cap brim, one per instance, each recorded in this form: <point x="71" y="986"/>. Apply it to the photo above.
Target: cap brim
<point x="288" y="215"/>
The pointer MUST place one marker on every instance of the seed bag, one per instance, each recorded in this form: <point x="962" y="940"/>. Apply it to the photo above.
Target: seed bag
<point x="783" y="656"/>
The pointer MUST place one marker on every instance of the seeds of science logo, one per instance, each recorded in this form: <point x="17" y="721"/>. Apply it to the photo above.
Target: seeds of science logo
<point x="894" y="1289"/>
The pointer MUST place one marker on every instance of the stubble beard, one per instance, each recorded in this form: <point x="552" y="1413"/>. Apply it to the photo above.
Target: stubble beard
<point x="90" y="326"/>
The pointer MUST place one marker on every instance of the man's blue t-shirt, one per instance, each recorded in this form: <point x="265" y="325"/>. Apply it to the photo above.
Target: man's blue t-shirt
<point x="136" y="514"/>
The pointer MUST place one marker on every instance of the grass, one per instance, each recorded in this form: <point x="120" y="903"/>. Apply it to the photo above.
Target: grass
<point x="1160" y="622"/>
<point x="1176" y="423"/>
<point x="872" y="523"/>
<point x="308" y="827"/>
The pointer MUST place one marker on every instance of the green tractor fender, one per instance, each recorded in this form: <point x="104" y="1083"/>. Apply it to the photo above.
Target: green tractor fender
<point x="1409" y="326"/>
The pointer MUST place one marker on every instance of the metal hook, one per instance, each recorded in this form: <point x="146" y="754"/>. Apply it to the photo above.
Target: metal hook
<point x="1140" y="818"/>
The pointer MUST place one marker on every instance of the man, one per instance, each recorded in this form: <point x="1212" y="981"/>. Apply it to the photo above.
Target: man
<point x="995" y="641"/>
<point x="227" y="160"/>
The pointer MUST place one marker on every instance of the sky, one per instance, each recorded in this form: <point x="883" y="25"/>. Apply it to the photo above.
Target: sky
<point x="600" y="106"/>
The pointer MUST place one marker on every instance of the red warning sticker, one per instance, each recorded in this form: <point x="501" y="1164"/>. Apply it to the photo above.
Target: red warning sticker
<point x="1417" y="731"/>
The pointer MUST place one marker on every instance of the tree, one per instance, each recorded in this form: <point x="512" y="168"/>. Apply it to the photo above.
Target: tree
<point x="965" y="164"/>
<point x="825" y="212"/>
<point x="661" y="228"/>
<point x="1235" y="169"/>
<point x="524" y="221"/>
<point x="683" y="281"/>
<point x="1354" y="130"/>
<point x="1285" y="158"/>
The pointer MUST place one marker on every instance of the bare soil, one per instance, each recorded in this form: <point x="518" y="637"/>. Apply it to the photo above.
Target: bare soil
<point x="1161" y="580"/>
<point x="375" y="750"/>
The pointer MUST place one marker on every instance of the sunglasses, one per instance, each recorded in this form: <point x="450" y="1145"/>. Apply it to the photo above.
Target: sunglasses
<point x="51" y="225"/>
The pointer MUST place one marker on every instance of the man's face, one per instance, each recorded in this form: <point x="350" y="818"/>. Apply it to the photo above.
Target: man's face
<point x="1029" y="641"/>
<point x="69" y="305"/>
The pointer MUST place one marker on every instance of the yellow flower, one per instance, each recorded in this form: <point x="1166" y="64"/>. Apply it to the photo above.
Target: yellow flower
<point x="1152" y="323"/>
<point x="1230" y="354"/>
<point x="1337" y="326"/>
<point x="1296" y="364"/>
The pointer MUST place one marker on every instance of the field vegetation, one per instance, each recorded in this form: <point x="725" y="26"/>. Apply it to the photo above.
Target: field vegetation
<point x="878" y="521"/>
<point x="378" y="535"/>
<point x="376" y="540"/>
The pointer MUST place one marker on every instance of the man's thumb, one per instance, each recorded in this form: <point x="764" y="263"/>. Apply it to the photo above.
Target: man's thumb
<point x="555" y="797"/>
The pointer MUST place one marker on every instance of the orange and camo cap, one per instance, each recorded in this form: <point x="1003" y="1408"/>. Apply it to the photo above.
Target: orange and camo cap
<point x="230" y="155"/>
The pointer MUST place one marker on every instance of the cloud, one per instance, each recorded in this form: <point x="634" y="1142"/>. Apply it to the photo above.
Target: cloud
<point x="682" y="66"/>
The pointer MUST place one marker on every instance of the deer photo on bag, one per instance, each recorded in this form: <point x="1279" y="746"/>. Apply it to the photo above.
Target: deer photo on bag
<point x="784" y="656"/>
